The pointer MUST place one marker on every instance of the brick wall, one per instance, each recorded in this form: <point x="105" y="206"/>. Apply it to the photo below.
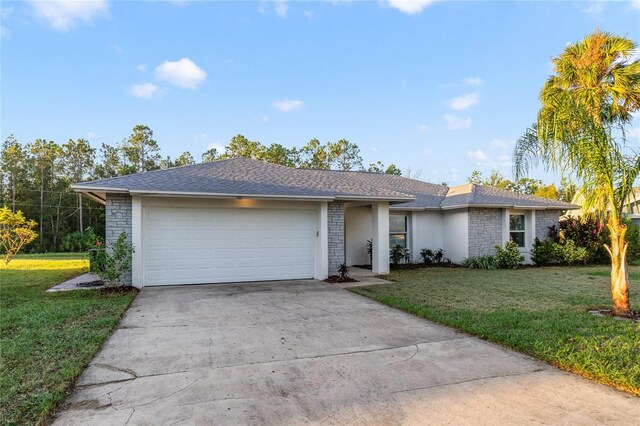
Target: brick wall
<point x="545" y="219"/>
<point x="118" y="220"/>
<point x="335" y="218"/>
<point x="485" y="231"/>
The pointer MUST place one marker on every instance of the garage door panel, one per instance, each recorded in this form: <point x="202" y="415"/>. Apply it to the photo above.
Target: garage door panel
<point x="200" y="245"/>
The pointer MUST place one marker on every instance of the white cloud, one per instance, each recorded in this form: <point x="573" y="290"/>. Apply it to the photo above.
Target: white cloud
<point x="144" y="90"/>
<point x="455" y="122"/>
<point x="411" y="7"/>
<point x="183" y="73"/>
<point x="474" y="81"/>
<point x="465" y="101"/>
<point x="423" y="128"/>
<point x="633" y="133"/>
<point x="427" y="152"/>
<point x="280" y="7"/>
<point x="141" y="68"/>
<point x="593" y="7"/>
<point x="308" y="14"/>
<point x="287" y="105"/>
<point x="635" y="4"/>
<point x="478" y="155"/>
<point x="500" y="144"/>
<point x="217" y="146"/>
<point x="62" y="14"/>
<point x="375" y="150"/>
<point x="90" y="134"/>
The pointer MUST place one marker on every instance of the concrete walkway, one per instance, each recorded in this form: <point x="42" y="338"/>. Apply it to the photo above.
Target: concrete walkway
<point x="308" y="352"/>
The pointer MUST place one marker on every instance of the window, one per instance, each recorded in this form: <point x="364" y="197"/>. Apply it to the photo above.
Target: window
<point x="397" y="230"/>
<point x="516" y="228"/>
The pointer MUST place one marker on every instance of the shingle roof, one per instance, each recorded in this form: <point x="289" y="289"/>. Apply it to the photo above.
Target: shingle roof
<point x="246" y="177"/>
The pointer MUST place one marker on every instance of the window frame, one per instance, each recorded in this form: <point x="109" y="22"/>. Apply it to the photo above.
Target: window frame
<point x="522" y="231"/>
<point x="405" y="232"/>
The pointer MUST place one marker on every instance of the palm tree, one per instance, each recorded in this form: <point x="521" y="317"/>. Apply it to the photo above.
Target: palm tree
<point x="581" y="132"/>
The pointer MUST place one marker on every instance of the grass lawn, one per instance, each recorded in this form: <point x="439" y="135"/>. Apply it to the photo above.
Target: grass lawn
<point x="47" y="339"/>
<point x="538" y="311"/>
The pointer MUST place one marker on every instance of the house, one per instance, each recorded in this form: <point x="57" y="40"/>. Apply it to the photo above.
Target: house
<point x="242" y="220"/>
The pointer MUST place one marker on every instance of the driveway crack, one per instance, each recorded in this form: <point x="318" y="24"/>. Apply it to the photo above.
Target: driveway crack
<point x="407" y="359"/>
<point x="167" y="396"/>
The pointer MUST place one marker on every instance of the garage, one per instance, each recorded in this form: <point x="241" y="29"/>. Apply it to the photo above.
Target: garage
<point x="221" y="245"/>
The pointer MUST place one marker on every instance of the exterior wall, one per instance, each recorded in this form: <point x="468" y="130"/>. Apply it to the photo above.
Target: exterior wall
<point x="455" y="231"/>
<point x="485" y="231"/>
<point x="336" y="236"/>
<point x="118" y="220"/>
<point x="426" y="232"/>
<point x="358" y="230"/>
<point x="545" y="219"/>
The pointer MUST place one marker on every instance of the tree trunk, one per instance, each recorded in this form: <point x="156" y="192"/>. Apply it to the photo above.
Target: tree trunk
<point x="619" y="269"/>
<point x="41" y="205"/>
<point x="80" y="205"/>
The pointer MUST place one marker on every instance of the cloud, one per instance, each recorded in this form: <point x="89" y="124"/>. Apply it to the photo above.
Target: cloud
<point x="63" y="14"/>
<point x="593" y="7"/>
<point x="633" y="133"/>
<point x="308" y="14"/>
<point x="183" y="73"/>
<point x="287" y="105"/>
<point x="217" y="146"/>
<point x="427" y="152"/>
<point x="144" y="90"/>
<point x="465" y="101"/>
<point x="90" y="134"/>
<point x="478" y="155"/>
<point x="473" y="81"/>
<point x="410" y="7"/>
<point x="279" y="7"/>
<point x="635" y="4"/>
<point x="423" y="128"/>
<point x="141" y="67"/>
<point x="500" y="144"/>
<point x="455" y="122"/>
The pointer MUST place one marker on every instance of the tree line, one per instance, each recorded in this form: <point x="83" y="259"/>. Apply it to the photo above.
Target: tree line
<point x="36" y="177"/>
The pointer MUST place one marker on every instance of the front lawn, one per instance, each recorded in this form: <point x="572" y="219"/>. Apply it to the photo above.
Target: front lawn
<point x="538" y="311"/>
<point x="47" y="339"/>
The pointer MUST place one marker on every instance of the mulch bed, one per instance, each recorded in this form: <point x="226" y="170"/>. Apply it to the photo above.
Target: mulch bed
<point x="635" y="316"/>
<point x="334" y="279"/>
<point x="123" y="289"/>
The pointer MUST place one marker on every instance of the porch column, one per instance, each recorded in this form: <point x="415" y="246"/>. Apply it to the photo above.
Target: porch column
<point x="335" y="219"/>
<point x="322" y="247"/>
<point x="380" y="233"/>
<point x="136" y="240"/>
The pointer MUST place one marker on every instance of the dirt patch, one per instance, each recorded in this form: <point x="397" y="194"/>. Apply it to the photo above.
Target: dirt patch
<point x="635" y="316"/>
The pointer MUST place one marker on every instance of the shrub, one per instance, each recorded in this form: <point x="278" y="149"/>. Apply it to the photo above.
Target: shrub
<point x="112" y="263"/>
<point x="427" y="256"/>
<point x="437" y="257"/>
<point x="570" y="254"/>
<point x="508" y="257"/>
<point x="480" y="262"/>
<point x="343" y="272"/>
<point x="370" y="250"/>
<point x="15" y="232"/>
<point x="397" y="254"/>
<point x="544" y="252"/>
<point x="78" y="241"/>
<point x="633" y="237"/>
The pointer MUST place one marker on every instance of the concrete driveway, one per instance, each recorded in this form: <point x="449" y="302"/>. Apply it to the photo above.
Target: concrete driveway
<point x="307" y="352"/>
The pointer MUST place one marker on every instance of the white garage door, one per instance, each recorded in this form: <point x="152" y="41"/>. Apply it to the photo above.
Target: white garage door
<point x="199" y="245"/>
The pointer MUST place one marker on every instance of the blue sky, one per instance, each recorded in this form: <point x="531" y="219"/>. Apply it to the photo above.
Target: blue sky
<point x="439" y="87"/>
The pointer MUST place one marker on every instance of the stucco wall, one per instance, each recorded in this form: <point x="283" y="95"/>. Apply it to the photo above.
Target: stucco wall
<point x="545" y="219"/>
<point x="118" y="220"/>
<point x="455" y="231"/>
<point x="485" y="230"/>
<point x="357" y="231"/>
<point x="427" y="232"/>
<point x="336" y="236"/>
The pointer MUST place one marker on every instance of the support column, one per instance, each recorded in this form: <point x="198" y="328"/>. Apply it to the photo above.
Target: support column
<point x="380" y="246"/>
<point x="136" y="240"/>
<point x="322" y="247"/>
<point x="335" y="213"/>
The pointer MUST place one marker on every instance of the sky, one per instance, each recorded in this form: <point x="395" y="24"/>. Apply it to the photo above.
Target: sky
<point x="437" y="87"/>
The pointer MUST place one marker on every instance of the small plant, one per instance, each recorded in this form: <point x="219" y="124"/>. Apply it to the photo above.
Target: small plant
<point x="427" y="256"/>
<point x="508" y="257"/>
<point x="544" y="252"/>
<point x="570" y="254"/>
<point x="480" y="262"/>
<point x="343" y="272"/>
<point x="430" y="257"/>
<point x="370" y="250"/>
<point x="396" y="254"/>
<point x="112" y="263"/>
<point x="15" y="232"/>
<point x="78" y="241"/>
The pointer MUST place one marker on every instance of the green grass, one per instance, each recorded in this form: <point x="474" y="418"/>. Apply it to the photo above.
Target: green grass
<point x="47" y="339"/>
<point x="538" y="311"/>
